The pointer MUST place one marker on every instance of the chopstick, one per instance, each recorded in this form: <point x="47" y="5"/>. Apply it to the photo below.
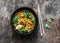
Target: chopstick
<point x="41" y="26"/>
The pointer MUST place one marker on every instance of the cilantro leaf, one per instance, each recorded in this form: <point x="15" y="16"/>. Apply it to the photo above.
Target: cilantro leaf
<point x="27" y="14"/>
<point x="33" y="20"/>
<point x="47" y="26"/>
<point x="15" y="19"/>
<point x="50" y="19"/>
<point x="25" y="30"/>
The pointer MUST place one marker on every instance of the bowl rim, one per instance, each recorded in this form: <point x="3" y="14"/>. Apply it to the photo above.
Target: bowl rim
<point x="24" y="8"/>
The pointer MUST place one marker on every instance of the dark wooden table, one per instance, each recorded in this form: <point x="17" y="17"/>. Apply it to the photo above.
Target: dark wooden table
<point x="49" y="8"/>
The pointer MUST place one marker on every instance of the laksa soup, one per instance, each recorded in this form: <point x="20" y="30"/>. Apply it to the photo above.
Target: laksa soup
<point x="24" y="21"/>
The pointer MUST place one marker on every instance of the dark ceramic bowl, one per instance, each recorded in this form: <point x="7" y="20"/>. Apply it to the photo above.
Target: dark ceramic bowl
<point x="32" y="11"/>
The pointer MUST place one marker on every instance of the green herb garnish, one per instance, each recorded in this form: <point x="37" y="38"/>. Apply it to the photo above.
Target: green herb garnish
<point x="50" y="19"/>
<point x="33" y="20"/>
<point x="47" y="26"/>
<point x="15" y="19"/>
<point x="27" y="14"/>
<point x="25" y="30"/>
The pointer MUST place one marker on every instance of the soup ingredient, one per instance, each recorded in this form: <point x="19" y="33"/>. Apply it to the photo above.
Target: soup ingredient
<point x="27" y="14"/>
<point x="15" y="25"/>
<point x="29" y="22"/>
<point x="47" y="26"/>
<point x="25" y="30"/>
<point x="19" y="27"/>
<point x="33" y="20"/>
<point x="23" y="21"/>
<point x="20" y="14"/>
<point x="15" y="19"/>
<point x="50" y="19"/>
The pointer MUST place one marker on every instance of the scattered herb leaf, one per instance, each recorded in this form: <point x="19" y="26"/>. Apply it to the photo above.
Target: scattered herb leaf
<point x="50" y="19"/>
<point x="47" y="26"/>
